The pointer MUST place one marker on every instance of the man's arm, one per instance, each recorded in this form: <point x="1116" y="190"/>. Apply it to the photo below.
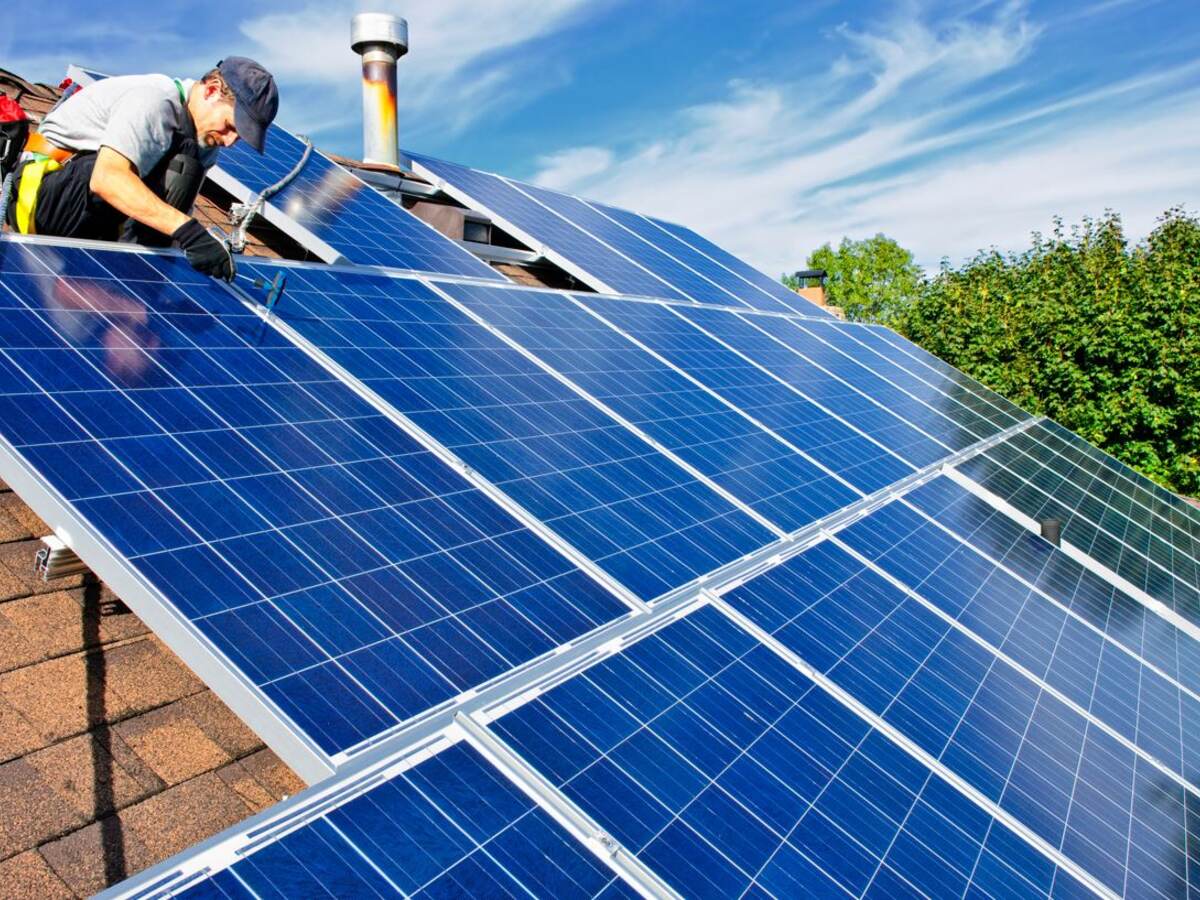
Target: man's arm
<point x="115" y="180"/>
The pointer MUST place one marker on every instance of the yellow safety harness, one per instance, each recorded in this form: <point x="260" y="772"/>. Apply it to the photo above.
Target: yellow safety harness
<point x="32" y="173"/>
<point x="41" y="164"/>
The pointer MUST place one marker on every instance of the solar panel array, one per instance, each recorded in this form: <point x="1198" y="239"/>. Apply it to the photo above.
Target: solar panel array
<point x="594" y="595"/>
<point x="614" y="250"/>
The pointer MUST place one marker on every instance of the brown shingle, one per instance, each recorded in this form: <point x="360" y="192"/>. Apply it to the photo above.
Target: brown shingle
<point x="171" y="744"/>
<point x="28" y="876"/>
<point x="94" y="857"/>
<point x="87" y="776"/>
<point x="26" y="518"/>
<point x="185" y="814"/>
<point x="15" y="647"/>
<point x="269" y="771"/>
<point x="147" y="674"/>
<point x="66" y="696"/>
<point x="11" y="528"/>
<point x="17" y="736"/>
<point x="55" y="624"/>
<point x="220" y="724"/>
<point x="246" y="786"/>
<point x="33" y="811"/>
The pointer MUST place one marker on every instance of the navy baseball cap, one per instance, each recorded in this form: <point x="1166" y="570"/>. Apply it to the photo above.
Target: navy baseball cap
<point x="257" y="98"/>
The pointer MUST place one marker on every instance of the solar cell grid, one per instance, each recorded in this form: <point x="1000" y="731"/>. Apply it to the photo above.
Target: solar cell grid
<point x="1166" y="504"/>
<point x="787" y="299"/>
<point x="832" y="442"/>
<point x="861" y="411"/>
<point x="1042" y="484"/>
<point x="1102" y="805"/>
<point x="683" y="279"/>
<point x="1102" y="677"/>
<point x="1093" y="599"/>
<point x="962" y="405"/>
<point x="934" y="413"/>
<point x="450" y="826"/>
<point x="344" y="212"/>
<point x="350" y="575"/>
<point x="636" y="514"/>
<point x="589" y="258"/>
<point x="737" y="287"/>
<point x="725" y="770"/>
<point x="913" y="351"/>
<point x="1127" y="492"/>
<point x="736" y="454"/>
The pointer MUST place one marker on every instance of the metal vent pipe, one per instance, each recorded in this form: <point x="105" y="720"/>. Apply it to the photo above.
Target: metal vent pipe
<point x="381" y="39"/>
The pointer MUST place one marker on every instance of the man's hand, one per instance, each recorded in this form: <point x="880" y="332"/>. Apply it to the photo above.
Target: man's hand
<point x="205" y="253"/>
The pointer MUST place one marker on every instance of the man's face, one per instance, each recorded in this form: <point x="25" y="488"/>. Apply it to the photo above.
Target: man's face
<point x="213" y="116"/>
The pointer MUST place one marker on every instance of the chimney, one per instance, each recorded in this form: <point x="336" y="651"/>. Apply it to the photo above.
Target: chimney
<point x="381" y="39"/>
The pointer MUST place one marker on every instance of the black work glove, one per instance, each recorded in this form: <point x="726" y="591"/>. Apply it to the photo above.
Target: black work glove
<point x="205" y="253"/>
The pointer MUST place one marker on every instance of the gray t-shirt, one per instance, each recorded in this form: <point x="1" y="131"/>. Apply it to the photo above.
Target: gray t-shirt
<point x="136" y="115"/>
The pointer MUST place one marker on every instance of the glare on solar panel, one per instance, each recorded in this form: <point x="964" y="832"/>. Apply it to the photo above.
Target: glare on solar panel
<point x="1156" y="557"/>
<point x="349" y="576"/>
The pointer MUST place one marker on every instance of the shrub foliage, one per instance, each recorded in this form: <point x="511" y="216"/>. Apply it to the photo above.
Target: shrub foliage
<point x="1102" y="336"/>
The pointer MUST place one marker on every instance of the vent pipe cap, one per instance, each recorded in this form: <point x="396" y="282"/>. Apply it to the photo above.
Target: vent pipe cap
<point x="368" y="29"/>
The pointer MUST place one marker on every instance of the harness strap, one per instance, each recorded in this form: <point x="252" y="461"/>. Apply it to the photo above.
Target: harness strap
<point x="31" y="175"/>
<point x="42" y="147"/>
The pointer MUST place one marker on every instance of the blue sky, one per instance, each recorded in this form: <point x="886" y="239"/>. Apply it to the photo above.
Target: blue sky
<point x="770" y="127"/>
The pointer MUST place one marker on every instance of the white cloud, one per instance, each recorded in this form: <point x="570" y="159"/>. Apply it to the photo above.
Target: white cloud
<point x="463" y="55"/>
<point x="878" y="143"/>
<point x="573" y="168"/>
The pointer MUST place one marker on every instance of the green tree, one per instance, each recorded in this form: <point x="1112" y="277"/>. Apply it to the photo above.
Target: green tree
<point x="1081" y="327"/>
<point x="872" y="280"/>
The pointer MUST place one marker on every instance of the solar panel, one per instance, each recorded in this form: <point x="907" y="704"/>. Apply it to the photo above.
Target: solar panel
<point x="856" y="457"/>
<point x="639" y="516"/>
<point x="746" y="292"/>
<point x="449" y="826"/>
<point x="1149" y="551"/>
<point x="336" y="214"/>
<point x="1092" y="599"/>
<point x="1096" y="800"/>
<point x="934" y="413"/>
<point x="788" y="299"/>
<point x="691" y="284"/>
<point x="894" y="429"/>
<point x="755" y="467"/>
<point x="1163" y="502"/>
<point x="332" y="573"/>
<point x="1102" y="677"/>
<point x="725" y="770"/>
<point x="711" y="761"/>
<point x="329" y="211"/>
<point x="880" y="337"/>
<point x="612" y="250"/>
<point x="572" y="248"/>
<point x="955" y="399"/>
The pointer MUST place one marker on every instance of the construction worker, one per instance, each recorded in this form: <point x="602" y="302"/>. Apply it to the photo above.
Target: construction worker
<point x="123" y="158"/>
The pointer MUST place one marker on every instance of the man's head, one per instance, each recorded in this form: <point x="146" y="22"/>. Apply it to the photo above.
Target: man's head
<point x="237" y="99"/>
